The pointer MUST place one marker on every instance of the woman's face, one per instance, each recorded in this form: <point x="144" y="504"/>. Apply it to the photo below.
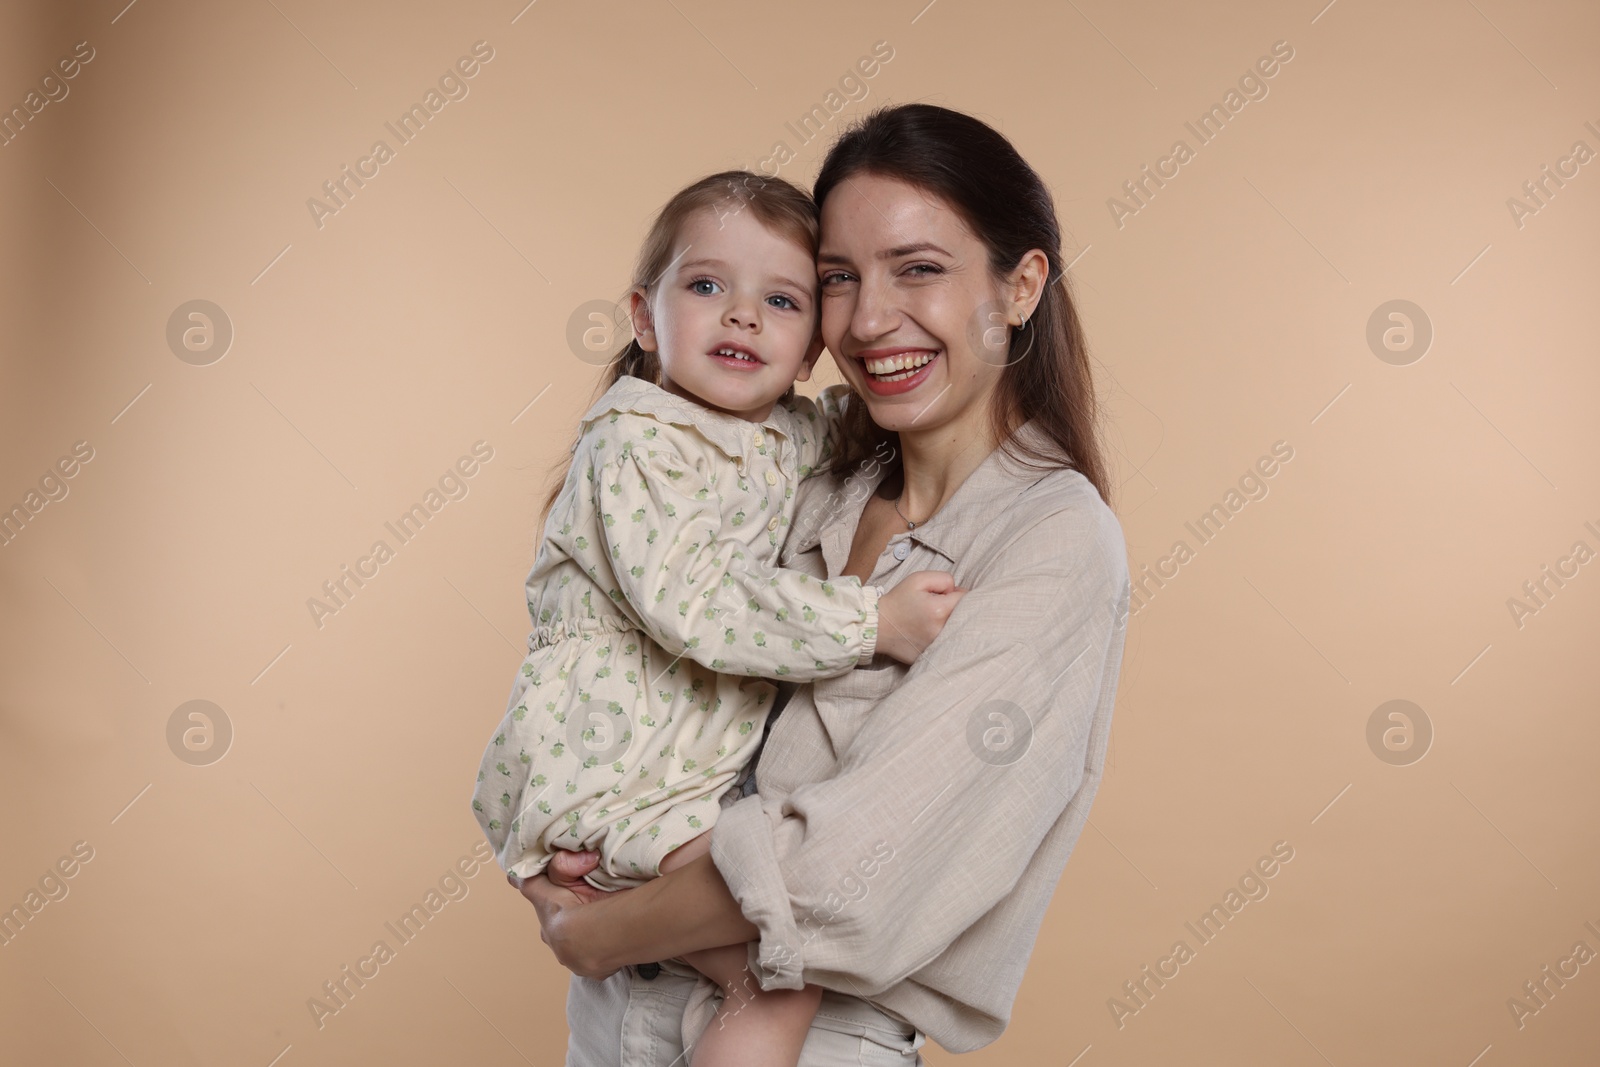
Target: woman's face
<point x="907" y="298"/>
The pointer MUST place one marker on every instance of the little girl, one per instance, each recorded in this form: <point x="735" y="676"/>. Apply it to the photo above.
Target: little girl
<point x="658" y="608"/>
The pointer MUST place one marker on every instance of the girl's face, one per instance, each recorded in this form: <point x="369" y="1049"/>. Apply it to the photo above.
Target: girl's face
<point x="907" y="304"/>
<point x="734" y="318"/>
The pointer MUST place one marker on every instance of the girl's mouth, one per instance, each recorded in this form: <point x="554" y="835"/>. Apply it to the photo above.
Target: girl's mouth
<point x="736" y="357"/>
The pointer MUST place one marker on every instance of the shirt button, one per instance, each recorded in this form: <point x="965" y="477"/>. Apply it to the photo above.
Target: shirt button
<point x="902" y="550"/>
<point x="759" y="439"/>
<point x="772" y="476"/>
<point x="773" y="525"/>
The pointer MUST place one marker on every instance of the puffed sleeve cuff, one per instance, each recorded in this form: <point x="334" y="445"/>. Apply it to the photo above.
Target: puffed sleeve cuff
<point x="742" y="849"/>
<point x="869" y="631"/>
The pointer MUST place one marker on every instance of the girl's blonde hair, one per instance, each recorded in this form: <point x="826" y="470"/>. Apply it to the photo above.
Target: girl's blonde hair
<point x="782" y="207"/>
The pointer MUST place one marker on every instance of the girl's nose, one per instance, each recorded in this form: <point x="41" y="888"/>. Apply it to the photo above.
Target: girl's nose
<point x="742" y="315"/>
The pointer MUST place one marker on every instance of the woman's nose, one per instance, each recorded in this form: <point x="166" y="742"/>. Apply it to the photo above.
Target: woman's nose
<point x="873" y="314"/>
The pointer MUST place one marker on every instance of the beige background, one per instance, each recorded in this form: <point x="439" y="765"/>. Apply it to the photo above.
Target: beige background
<point x="1229" y="313"/>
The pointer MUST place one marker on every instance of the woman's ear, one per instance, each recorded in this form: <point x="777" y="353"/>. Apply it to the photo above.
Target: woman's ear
<point x="1027" y="281"/>
<point x="809" y="360"/>
<point x="643" y="322"/>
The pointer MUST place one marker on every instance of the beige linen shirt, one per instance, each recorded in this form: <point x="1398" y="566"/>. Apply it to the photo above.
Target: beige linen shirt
<point x="912" y="822"/>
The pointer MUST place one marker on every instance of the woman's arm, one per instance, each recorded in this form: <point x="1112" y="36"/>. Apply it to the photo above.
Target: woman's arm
<point x="594" y="933"/>
<point x="990" y="745"/>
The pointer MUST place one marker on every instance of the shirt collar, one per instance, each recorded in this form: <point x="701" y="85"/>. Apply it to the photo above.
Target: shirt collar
<point x="988" y="490"/>
<point x="729" y="433"/>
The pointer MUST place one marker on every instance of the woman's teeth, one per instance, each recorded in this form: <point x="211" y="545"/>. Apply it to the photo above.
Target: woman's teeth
<point x="897" y="368"/>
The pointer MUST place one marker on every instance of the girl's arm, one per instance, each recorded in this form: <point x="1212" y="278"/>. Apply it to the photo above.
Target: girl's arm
<point x="698" y="593"/>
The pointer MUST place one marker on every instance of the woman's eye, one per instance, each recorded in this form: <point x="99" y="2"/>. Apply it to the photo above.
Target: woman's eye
<point x="928" y="267"/>
<point x="698" y="282"/>
<point x="834" y="277"/>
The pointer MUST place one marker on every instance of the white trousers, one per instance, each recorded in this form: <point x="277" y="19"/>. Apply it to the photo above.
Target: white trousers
<point x="632" y="1021"/>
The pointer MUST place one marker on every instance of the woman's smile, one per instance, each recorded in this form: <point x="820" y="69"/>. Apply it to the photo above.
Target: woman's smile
<point x="896" y="370"/>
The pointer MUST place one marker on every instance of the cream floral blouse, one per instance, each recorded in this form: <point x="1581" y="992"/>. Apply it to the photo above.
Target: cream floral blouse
<point x="659" y="615"/>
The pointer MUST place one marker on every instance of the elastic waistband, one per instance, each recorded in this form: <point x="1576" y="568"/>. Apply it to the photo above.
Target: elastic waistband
<point x="544" y="636"/>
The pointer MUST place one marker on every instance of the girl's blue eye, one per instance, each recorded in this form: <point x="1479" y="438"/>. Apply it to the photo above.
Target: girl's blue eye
<point x="787" y="303"/>
<point x="699" y="282"/>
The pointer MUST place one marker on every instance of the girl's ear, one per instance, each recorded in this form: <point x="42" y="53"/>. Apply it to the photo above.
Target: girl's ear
<point x="643" y="323"/>
<point x="809" y="360"/>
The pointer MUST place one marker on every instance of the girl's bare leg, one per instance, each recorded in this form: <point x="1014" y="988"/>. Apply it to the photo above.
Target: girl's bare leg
<point x="753" y="1027"/>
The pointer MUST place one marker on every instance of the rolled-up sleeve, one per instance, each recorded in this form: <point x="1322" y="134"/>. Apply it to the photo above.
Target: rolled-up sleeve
<point x="950" y="782"/>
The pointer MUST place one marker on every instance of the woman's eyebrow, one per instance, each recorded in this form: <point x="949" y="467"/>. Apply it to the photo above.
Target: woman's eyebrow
<point x="907" y="250"/>
<point x="887" y="253"/>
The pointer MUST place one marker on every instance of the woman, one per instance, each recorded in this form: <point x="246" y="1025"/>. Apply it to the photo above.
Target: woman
<point x="912" y="822"/>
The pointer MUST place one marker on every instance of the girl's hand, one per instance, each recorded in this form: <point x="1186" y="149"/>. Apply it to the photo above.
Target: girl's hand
<point x="913" y="613"/>
<point x="566" y="871"/>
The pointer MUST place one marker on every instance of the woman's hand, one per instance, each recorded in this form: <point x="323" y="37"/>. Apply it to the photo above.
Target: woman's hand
<point x="681" y="911"/>
<point x="555" y="895"/>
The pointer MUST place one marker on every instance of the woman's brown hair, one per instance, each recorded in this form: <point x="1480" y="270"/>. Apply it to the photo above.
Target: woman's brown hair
<point x="975" y="170"/>
<point x="782" y="207"/>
